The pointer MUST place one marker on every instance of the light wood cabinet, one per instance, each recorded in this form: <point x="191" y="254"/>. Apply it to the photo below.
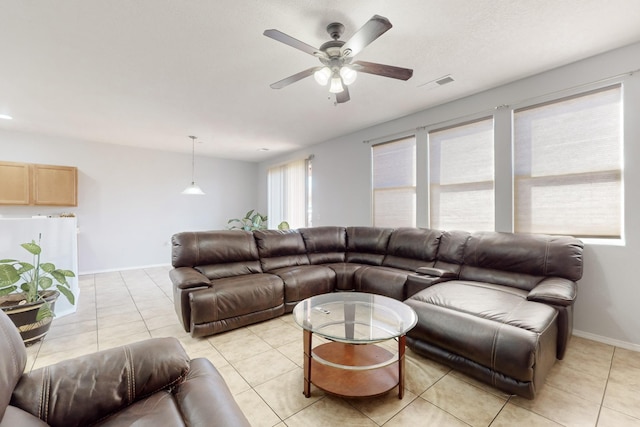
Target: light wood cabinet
<point x="15" y="183"/>
<point x="41" y="185"/>
<point x="55" y="185"/>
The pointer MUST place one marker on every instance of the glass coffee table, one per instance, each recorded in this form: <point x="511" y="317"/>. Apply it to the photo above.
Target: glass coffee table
<point x="351" y="364"/>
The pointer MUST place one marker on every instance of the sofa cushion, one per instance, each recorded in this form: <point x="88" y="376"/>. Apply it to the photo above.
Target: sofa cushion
<point x="216" y="254"/>
<point x="520" y="260"/>
<point x="280" y="248"/>
<point x="236" y="296"/>
<point x="495" y="326"/>
<point x="83" y="390"/>
<point x="304" y="281"/>
<point x="412" y="248"/>
<point x="345" y="272"/>
<point x="325" y="244"/>
<point x="367" y="245"/>
<point x="386" y="281"/>
<point x="451" y="250"/>
<point x="204" y="394"/>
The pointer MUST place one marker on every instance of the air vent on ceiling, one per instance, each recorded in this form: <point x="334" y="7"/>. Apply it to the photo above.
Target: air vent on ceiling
<point x="438" y="82"/>
<point x="444" y="80"/>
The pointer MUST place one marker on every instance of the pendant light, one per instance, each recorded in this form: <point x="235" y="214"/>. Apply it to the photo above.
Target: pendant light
<point x="193" y="188"/>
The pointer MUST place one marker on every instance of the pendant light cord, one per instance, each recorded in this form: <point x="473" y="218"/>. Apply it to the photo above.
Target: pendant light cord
<point x="193" y="158"/>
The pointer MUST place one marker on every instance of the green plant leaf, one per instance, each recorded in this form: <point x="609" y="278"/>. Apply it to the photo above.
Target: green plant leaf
<point x="8" y="261"/>
<point x="44" y="312"/>
<point x="248" y="215"/>
<point x="8" y="275"/>
<point x="25" y="267"/>
<point x="45" y="282"/>
<point x="47" y="267"/>
<point x="32" y="247"/>
<point x="7" y="291"/>
<point x="284" y="225"/>
<point x="60" y="278"/>
<point x="67" y="273"/>
<point x="67" y="293"/>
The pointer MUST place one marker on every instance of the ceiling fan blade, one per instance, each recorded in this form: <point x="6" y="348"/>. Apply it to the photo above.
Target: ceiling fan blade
<point x="343" y="96"/>
<point x="294" y="78"/>
<point x="371" y="30"/>
<point x="383" y="70"/>
<point x="295" y="43"/>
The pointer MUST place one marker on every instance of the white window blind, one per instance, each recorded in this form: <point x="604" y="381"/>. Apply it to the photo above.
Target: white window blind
<point x="288" y="196"/>
<point x="461" y="174"/>
<point x="394" y="183"/>
<point x="568" y="166"/>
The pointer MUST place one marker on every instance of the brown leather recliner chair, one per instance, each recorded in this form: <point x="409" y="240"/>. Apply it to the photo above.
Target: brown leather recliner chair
<point x="151" y="382"/>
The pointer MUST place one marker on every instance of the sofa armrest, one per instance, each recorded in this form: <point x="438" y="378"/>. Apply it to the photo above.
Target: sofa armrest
<point x="555" y="291"/>
<point x="187" y="278"/>
<point x="205" y="396"/>
<point x="437" y="272"/>
<point x="420" y="282"/>
<point x="81" y="391"/>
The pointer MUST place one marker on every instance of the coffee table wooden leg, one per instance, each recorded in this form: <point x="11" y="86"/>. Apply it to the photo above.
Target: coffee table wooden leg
<point x="307" y="362"/>
<point x="401" y="348"/>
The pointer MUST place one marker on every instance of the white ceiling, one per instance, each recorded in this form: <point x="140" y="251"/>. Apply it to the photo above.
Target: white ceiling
<point x="149" y="73"/>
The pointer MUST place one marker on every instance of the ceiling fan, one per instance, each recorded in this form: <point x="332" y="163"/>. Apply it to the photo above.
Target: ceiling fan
<point x="336" y="56"/>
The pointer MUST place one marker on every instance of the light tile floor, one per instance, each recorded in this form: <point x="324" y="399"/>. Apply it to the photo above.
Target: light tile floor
<point x="596" y="384"/>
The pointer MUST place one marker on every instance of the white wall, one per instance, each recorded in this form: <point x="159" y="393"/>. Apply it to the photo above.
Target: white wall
<point x="609" y="293"/>
<point x="129" y="201"/>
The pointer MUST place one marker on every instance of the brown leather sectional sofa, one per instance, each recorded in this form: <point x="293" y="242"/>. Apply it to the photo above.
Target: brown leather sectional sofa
<point x="150" y="382"/>
<point x="497" y="306"/>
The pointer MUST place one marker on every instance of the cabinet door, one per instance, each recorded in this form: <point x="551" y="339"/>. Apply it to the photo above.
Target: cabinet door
<point x="14" y="183"/>
<point x="55" y="185"/>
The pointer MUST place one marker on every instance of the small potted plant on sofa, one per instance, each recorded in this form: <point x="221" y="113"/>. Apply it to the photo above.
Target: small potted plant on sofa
<point x="28" y="292"/>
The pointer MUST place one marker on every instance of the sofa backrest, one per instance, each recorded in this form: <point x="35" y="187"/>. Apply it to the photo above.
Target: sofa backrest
<point x="412" y="248"/>
<point x="521" y="260"/>
<point x="280" y="248"/>
<point x="367" y="245"/>
<point x="216" y="254"/>
<point x="325" y="244"/>
<point x="451" y="250"/>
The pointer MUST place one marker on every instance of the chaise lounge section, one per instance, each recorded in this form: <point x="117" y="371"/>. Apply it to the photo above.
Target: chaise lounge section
<point x="506" y="317"/>
<point x="497" y="306"/>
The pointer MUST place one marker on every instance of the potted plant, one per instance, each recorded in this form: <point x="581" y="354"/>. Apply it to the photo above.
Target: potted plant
<point x="253" y="220"/>
<point x="28" y="292"/>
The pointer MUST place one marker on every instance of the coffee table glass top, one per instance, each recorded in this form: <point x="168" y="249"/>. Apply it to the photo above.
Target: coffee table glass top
<point x="355" y="317"/>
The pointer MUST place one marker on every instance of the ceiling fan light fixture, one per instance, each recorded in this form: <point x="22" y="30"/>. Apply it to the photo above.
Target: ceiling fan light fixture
<point x="322" y="76"/>
<point x="348" y="75"/>
<point x="336" y="57"/>
<point x="336" y="84"/>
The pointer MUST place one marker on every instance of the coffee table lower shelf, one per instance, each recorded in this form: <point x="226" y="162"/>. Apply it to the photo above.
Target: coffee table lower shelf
<point x="350" y="376"/>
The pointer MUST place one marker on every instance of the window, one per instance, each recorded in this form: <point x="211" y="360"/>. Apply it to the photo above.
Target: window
<point x="461" y="177"/>
<point x="568" y="166"/>
<point x="394" y="183"/>
<point x="289" y="194"/>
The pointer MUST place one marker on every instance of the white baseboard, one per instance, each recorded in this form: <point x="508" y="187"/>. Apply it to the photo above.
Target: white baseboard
<point x="112" y="270"/>
<point x="607" y="340"/>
